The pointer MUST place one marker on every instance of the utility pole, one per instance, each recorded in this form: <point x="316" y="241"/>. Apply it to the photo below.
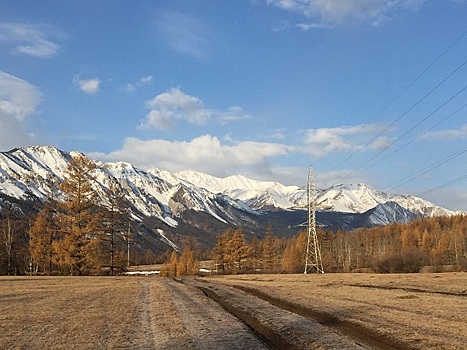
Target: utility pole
<point x="128" y="245"/>
<point x="312" y="252"/>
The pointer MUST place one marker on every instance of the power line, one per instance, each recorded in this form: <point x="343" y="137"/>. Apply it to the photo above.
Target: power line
<point x="410" y="109"/>
<point x="425" y="170"/>
<point x="415" y="138"/>
<point x="396" y="97"/>
<point x="409" y="130"/>
<point x="443" y="185"/>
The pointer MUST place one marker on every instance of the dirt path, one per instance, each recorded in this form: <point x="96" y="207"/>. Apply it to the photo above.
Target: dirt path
<point x="185" y="319"/>
<point x="283" y="329"/>
<point x="355" y="331"/>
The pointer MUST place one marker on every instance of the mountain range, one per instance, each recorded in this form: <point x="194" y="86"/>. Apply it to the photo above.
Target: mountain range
<point x="170" y="209"/>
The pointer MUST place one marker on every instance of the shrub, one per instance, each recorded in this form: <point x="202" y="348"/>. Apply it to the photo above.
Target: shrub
<point x="409" y="261"/>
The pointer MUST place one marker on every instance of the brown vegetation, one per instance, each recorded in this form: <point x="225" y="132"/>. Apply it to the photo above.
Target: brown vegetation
<point x="440" y="242"/>
<point x="420" y="311"/>
<point x="424" y="311"/>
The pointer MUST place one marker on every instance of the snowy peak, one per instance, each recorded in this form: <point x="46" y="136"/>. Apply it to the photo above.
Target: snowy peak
<point x="360" y="198"/>
<point x="257" y="194"/>
<point x="350" y="198"/>
<point x="28" y="171"/>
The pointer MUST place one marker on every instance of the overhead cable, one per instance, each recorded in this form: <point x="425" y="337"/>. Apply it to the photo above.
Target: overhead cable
<point x="396" y="97"/>
<point x="443" y="185"/>
<point x="410" y="109"/>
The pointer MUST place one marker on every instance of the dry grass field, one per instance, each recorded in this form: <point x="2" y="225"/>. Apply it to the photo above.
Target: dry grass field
<point x="425" y="311"/>
<point x="67" y="312"/>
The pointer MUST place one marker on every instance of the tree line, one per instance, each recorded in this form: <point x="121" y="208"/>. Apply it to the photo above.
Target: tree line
<point x="438" y="242"/>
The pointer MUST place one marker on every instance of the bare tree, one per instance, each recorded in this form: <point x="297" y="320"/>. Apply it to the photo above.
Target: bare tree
<point x="9" y="236"/>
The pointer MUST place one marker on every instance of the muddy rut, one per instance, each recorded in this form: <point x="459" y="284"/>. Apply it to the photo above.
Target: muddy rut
<point x="215" y="316"/>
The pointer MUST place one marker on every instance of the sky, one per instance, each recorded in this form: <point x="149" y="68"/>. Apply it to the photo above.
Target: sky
<point x="365" y="91"/>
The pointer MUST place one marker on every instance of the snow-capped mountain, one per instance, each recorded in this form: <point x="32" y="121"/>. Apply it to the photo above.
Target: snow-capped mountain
<point x="185" y="198"/>
<point x="350" y="198"/>
<point x="28" y="174"/>
<point x="261" y="195"/>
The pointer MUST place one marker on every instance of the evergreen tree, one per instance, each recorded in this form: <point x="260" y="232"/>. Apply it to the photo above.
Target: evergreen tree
<point x="270" y="250"/>
<point x="42" y="233"/>
<point x="79" y="249"/>
<point x="114" y="221"/>
<point x="187" y="264"/>
<point x="173" y="265"/>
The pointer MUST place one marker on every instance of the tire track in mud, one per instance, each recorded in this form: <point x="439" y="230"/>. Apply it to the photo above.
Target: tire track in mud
<point x="282" y="328"/>
<point x="360" y="334"/>
<point x="145" y="316"/>
<point x="207" y="325"/>
<point x="274" y="340"/>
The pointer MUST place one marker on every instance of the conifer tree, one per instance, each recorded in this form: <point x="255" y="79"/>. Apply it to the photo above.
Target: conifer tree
<point x="221" y="250"/>
<point x="187" y="264"/>
<point x="42" y="233"/>
<point x="232" y="250"/>
<point x="79" y="250"/>
<point x="270" y="253"/>
<point x="240" y="250"/>
<point x="294" y="254"/>
<point x="113" y="220"/>
<point x="173" y="265"/>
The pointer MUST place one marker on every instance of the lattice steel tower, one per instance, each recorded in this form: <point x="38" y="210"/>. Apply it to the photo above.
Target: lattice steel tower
<point x="313" y="261"/>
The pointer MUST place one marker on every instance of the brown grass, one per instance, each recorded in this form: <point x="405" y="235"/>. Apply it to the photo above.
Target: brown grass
<point x="69" y="312"/>
<point x="426" y="311"/>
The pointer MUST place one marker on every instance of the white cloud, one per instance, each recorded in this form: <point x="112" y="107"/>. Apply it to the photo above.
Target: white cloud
<point x="233" y="114"/>
<point x="205" y="153"/>
<point x="185" y="34"/>
<point x="173" y="105"/>
<point x="381" y="143"/>
<point x="342" y="12"/>
<point x="30" y="39"/>
<point x="460" y="133"/>
<point x="131" y="87"/>
<point x="147" y="79"/>
<point x="88" y="86"/>
<point x="323" y="141"/>
<point x="18" y="101"/>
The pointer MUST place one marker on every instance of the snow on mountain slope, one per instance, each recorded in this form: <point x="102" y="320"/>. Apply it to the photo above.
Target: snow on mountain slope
<point x="386" y="213"/>
<point x="361" y="198"/>
<point x="352" y="198"/>
<point x="257" y="194"/>
<point x="28" y="173"/>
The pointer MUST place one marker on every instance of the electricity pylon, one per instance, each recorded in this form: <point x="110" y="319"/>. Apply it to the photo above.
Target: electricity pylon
<point x="313" y="253"/>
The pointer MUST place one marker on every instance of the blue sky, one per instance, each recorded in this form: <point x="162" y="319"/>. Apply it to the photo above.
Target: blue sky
<point x="365" y="90"/>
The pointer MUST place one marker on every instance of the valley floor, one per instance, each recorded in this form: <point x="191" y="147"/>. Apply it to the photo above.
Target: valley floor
<point x="326" y="311"/>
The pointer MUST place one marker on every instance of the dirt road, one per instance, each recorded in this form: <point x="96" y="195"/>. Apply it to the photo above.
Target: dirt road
<point x="284" y="326"/>
<point x="190" y="320"/>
